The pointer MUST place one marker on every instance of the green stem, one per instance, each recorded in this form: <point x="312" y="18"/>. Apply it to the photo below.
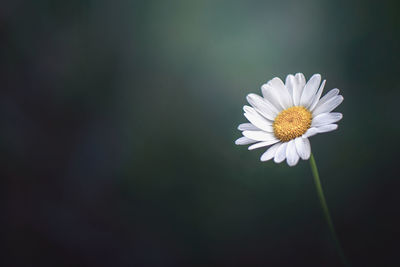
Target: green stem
<point x="325" y="209"/>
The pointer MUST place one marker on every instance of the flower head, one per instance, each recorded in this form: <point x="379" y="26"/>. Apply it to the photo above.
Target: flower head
<point x="287" y="115"/>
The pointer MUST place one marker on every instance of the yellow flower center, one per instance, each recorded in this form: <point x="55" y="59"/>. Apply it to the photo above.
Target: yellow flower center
<point x="291" y="123"/>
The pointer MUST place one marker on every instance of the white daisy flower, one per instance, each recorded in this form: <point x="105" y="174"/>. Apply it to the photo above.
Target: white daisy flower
<point x="287" y="115"/>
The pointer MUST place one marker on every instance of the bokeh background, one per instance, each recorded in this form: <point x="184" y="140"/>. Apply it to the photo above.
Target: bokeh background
<point x="118" y="121"/>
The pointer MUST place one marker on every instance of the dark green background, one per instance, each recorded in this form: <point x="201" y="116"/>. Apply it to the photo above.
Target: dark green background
<point x="118" y="121"/>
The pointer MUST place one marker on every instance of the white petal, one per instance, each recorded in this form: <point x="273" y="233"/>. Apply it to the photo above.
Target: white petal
<point x="326" y="118"/>
<point x="299" y="83"/>
<point x="262" y="106"/>
<point x="317" y="96"/>
<point x="291" y="154"/>
<point x="303" y="147"/>
<point x="262" y="144"/>
<point x="309" y="90"/>
<point x="244" y="141"/>
<point x="259" y="135"/>
<point x="280" y="153"/>
<point x="327" y="128"/>
<point x="326" y="97"/>
<point x="270" y="153"/>
<point x="257" y="120"/>
<point x="328" y="106"/>
<point x="271" y="96"/>
<point x="310" y="132"/>
<point x="276" y="93"/>
<point x="321" y="129"/>
<point x="247" y="127"/>
<point x="290" y="83"/>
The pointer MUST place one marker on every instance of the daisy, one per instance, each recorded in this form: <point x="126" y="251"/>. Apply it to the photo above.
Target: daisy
<point x="287" y="115"/>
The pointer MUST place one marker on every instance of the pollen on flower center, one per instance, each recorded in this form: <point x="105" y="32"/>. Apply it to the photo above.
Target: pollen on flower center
<point x="291" y="123"/>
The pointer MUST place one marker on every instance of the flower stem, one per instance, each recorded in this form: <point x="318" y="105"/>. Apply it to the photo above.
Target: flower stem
<point x="325" y="209"/>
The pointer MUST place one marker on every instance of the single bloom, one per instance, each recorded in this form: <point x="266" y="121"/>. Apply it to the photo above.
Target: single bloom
<point x="287" y="115"/>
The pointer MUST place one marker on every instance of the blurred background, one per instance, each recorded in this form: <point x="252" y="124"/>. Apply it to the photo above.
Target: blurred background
<point x="118" y="121"/>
